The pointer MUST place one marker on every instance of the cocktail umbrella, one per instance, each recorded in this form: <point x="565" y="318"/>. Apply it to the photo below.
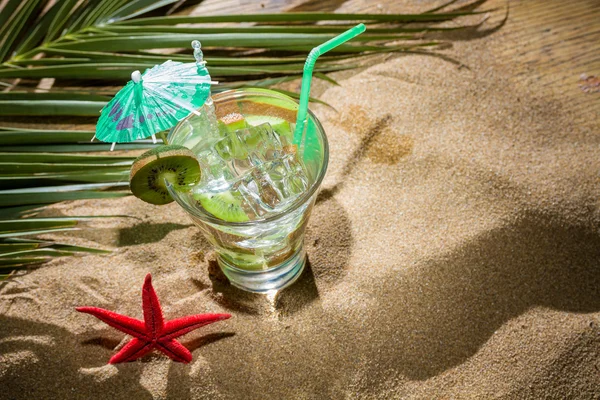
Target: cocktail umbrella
<point x="155" y="100"/>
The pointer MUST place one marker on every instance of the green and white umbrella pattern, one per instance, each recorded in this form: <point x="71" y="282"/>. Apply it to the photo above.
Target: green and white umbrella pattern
<point x="155" y="100"/>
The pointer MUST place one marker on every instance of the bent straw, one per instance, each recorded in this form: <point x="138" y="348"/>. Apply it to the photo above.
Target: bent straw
<point x="309" y="65"/>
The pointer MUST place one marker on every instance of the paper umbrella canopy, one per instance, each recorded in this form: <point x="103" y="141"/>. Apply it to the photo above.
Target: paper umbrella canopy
<point x="155" y="100"/>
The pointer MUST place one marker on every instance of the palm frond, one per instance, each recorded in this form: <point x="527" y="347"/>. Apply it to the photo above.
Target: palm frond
<point x="19" y="253"/>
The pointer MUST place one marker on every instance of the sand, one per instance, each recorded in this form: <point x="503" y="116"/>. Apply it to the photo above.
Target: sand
<point x="454" y="252"/>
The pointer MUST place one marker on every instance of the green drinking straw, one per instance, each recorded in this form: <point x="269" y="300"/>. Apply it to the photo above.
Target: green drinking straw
<point x="308" y="71"/>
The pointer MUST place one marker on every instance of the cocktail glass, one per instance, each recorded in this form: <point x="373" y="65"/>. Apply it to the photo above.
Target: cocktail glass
<point x="265" y="254"/>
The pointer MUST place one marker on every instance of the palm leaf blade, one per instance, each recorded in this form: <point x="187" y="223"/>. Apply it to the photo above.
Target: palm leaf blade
<point x="36" y="253"/>
<point x="44" y="197"/>
<point x="36" y="35"/>
<point x="138" y="7"/>
<point x="166" y="41"/>
<point x="65" y="158"/>
<point x="63" y="9"/>
<point x="11" y="136"/>
<point x="10" y="264"/>
<point x="51" y="107"/>
<point x="9" y="9"/>
<point x="33" y="168"/>
<point x="36" y="224"/>
<point x="298" y="17"/>
<point x="14" y="26"/>
<point x="12" y="247"/>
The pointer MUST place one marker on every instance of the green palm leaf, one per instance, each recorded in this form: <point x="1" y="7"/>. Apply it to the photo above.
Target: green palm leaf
<point x="301" y="17"/>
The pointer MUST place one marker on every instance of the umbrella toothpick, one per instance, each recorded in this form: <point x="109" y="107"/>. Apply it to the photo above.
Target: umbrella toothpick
<point x="136" y="76"/>
<point x="112" y="147"/>
<point x="198" y="55"/>
<point x="154" y="138"/>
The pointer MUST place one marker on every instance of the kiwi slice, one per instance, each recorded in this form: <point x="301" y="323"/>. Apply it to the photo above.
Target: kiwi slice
<point x="174" y="163"/>
<point x="223" y="205"/>
<point x="270" y="106"/>
<point x="232" y="122"/>
<point x="228" y="125"/>
<point x="279" y="125"/>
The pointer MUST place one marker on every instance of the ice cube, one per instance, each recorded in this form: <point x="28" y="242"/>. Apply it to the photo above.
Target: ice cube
<point x="199" y="132"/>
<point x="256" y="166"/>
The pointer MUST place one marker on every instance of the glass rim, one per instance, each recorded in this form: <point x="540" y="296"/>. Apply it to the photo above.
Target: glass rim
<point x="301" y="200"/>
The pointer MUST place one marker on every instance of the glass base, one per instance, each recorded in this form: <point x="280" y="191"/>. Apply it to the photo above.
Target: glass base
<point x="276" y="278"/>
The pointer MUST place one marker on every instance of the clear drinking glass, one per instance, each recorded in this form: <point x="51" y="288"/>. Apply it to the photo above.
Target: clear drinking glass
<point x="268" y="254"/>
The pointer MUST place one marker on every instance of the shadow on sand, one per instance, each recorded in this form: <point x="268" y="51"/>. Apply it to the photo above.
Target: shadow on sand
<point x="46" y="348"/>
<point x="145" y="233"/>
<point x="328" y="243"/>
<point x="448" y="307"/>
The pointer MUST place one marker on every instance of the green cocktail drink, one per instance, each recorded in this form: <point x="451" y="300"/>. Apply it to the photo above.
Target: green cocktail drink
<point x="246" y="166"/>
<point x="257" y="188"/>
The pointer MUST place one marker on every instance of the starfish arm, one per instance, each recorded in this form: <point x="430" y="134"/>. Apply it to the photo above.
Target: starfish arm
<point x="131" y="326"/>
<point x="133" y="350"/>
<point x="180" y="326"/>
<point x="153" y="316"/>
<point x="175" y="350"/>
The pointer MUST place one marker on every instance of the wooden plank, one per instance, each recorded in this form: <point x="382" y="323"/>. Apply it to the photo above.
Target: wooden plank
<point x="550" y="44"/>
<point x="546" y="44"/>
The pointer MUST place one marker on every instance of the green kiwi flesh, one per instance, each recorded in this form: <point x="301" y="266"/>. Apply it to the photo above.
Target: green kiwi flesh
<point x="232" y="122"/>
<point x="223" y="206"/>
<point x="227" y="126"/>
<point x="174" y="163"/>
<point x="279" y="125"/>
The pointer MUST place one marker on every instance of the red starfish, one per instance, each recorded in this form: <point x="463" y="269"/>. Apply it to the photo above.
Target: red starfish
<point x="153" y="332"/>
